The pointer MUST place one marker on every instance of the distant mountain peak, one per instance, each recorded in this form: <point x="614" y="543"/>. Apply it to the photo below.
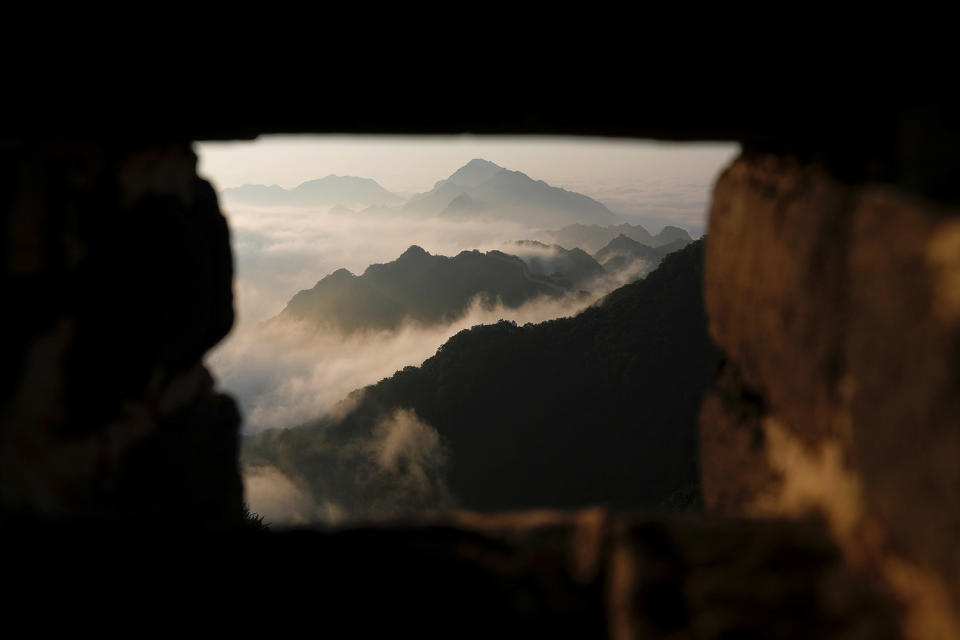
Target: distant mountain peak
<point x="418" y="286"/>
<point x="340" y="276"/>
<point x="672" y="234"/>
<point x="624" y="240"/>
<point x="533" y="243"/>
<point x="498" y="193"/>
<point x="327" y="179"/>
<point x="475" y="173"/>
<point x="480" y="162"/>
<point x="332" y="189"/>
<point x="592" y="238"/>
<point x="414" y="251"/>
<point x="463" y="203"/>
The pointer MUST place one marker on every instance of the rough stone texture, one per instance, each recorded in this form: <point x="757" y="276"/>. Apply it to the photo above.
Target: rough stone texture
<point x="587" y="574"/>
<point x="117" y="274"/>
<point x="837" y="304"/>
<point x="837" y="307"/>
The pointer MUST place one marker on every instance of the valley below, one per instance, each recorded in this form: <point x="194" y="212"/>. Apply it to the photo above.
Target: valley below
<point x="496" y="362"/>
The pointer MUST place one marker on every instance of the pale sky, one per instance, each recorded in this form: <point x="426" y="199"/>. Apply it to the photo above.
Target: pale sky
<point x="664" y="181"/>
<point x="410" y="164"/>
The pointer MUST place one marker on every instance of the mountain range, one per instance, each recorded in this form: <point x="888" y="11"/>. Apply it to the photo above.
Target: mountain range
<point x="622" y="252"/>
<point x="574" y="268"/>
<point x="482" y="189"/>
<point x="427" y="289"/>
<point x="345" y="191"/>
<point x="592" y="238"/>
<point x="600" y="408"/>
<point x="418" y="287"/>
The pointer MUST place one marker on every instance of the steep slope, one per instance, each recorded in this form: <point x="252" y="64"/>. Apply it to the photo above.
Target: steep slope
<point x="671" y="234"/>
<point x="464" y="205"/>
<point x="474" y="173"/>
<point x="592" y="238"/>
<point x="418" y="287"/>
<point x="571" y="266"/>
<point x="626" y="260"/>
<point x="621" y="251"/>
<point x="345" y="302"/>
<point x="347" y="191"/>
<point x="598" y="408"/>
<point x="483" y="189"/>
<point x="672" y="246"/>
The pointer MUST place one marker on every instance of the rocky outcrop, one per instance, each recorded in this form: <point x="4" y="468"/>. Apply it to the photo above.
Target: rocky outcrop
<point x="117" y="275"/>
<point x="837" y="304"/>
<point x="838" y="307"/>
<point x="587" y="574"/>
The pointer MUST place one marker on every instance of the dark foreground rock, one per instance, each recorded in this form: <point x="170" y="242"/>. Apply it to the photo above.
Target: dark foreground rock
<point x="117" y="278"/>
<point x="591" y="574"/>
<point x="838" y="307"/>
<point x="830" y="284"/>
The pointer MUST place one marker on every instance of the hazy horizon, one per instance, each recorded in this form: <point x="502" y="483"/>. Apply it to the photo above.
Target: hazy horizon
<point x="280" y="250"/>
<point x="643" y="182"/>
<point x="284" y="375"/>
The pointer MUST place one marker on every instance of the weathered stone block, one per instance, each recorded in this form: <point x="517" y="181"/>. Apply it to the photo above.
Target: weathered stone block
<point x="837" y="307"/>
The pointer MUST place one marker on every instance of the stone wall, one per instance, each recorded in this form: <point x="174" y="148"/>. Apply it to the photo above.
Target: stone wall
<point x="836" y="300"/>
<point x="838" y="307"/>
<point x="117" y="278"/>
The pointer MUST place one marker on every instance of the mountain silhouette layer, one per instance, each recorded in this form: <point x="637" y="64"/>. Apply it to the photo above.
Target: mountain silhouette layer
<point x="600" y="408"/>
<point x="573" y="267"/>
<point x="592" y="238"/>
<point x="345" y="191"/>
<point x="623" y="248"/>
<point x="623" y="254"/>
<point x="418" y="287"/>
<point x="482" y="189"/>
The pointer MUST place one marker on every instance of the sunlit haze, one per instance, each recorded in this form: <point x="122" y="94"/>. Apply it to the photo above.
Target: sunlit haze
<point x="494" y="203"/>
<point x="648" y="182"/>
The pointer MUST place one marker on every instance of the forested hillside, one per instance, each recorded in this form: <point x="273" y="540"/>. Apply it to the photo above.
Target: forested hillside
<point x="597" y="408"/>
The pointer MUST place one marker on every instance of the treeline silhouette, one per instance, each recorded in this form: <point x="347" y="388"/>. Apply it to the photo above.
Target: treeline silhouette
<point x="600" y="408"/>
<point x="418" y="287"/>
<point x="592" y="238"/>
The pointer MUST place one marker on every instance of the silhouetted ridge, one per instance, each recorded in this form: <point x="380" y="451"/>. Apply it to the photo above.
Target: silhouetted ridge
<point x="592" y="238"/>
<point x="330" y="190"/>
<point x="420" y="288"/>
<point x="464" y="205"/>
<point x="475" y="173"/>
<point x="598" y="408"/>
<point x="342" y="300"/>
<point x="414" y="252"/>
<point x="625" y="255"/>
<point x="623" y="248"/>
<point x="672" y="234"/>
<point x="340" y="274"/>
<point x="572" y="267"/>
<point x="481" y="189"/>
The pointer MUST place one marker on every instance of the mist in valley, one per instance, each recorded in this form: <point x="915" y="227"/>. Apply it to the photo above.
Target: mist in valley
<point x="286" y="372"/>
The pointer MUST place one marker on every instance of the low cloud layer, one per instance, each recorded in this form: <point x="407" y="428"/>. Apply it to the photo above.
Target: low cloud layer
<point x="279" y="251"/>
<point x="285" y="373"/>
<point x="655" y="203"/>
<point x="398" y="468"/>
<point x="274" y="496"/>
